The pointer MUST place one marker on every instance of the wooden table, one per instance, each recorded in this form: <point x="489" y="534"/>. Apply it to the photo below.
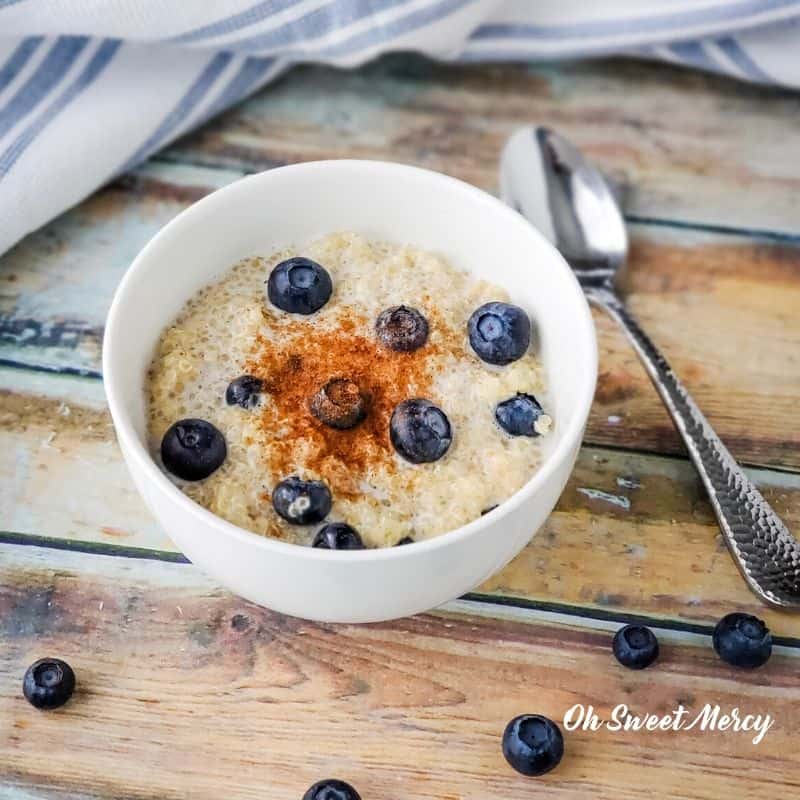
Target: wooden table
<point x="187" y="691"/>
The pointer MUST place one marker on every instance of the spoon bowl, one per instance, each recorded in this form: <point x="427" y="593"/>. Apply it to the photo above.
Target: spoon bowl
<point x="547" y="180"/>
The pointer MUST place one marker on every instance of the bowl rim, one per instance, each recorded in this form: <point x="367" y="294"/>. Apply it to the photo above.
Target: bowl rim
<point x="134" y="450"/>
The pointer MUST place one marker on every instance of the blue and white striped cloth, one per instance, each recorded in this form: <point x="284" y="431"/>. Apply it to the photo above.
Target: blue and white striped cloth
<point x="89" y="88"/>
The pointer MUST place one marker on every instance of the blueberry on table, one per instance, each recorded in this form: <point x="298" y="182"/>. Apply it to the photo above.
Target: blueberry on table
<point x="48" y="683"/>
<point x="420" y="431"/>
<point x="743" y="641"/>
<point x="499" y="333"/>
<point x="301" y="502"/>
<point x="299" y="286"/>
<point x="518" y="414"/>
<point x="635" y="646"/>
<point x="192" y="449"/>
<point x="244" y="391"/>
<point x="338" y="536"/>
<point x="339" y="404"/>
<point x="402" y="328"/>
<point x="331" y="790"/>
<point x="533" y="744"/>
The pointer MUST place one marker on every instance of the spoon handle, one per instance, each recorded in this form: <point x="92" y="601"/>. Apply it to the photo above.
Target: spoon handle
<point x="761" y="545"/>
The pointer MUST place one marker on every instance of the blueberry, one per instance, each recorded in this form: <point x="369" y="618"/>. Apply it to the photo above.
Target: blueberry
<point x="301" y="502"/>
<point x="192" y="449"/>
<point x="402" y="328"/>
<point x="244" y="391"/>
<point x="499" y="332"/>
<point x="404" y="540"/>
<point x="338" y="536"/>
<point x="743" y="640"/>
<point x="635" y="646"/>
<point x="48" y="683"/>
<point x="339" y="404"/>
<point x="420" y="431"/>
<point x="331" y="790"/>
<point x="518" y="415"/>
<point x="299" y="286"/>
<point x="533" y="744"/>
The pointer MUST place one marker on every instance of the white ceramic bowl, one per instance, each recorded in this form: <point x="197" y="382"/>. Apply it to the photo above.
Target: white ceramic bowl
<point x="262" y="213"/>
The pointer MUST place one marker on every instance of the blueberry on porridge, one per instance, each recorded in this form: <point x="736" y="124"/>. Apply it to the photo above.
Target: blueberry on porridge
<point x="402" y="328"/>
<point x="339" y="404"/>
<point x="299" y="286"/>
<point x="420" y="431"/>
<point x="244" y="391"/>
<point x="522" y="415"/>
<point x="301" y="502"/>
<point x="338" y="536"/>
<point x="499" y="333"/>
<point x="372" y="385"/>
<point x="192" y="449"/>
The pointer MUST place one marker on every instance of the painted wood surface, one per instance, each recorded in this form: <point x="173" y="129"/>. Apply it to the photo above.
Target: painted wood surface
<point x="691" y="147"/>
<point x="220" y="698"/>
<point x="717" y="305"/>
<point x="632" y="534"/>
<point x="246" y="703"/>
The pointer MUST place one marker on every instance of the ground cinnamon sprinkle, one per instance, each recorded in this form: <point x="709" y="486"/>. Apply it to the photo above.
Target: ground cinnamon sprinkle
<point x="305" y="357"/>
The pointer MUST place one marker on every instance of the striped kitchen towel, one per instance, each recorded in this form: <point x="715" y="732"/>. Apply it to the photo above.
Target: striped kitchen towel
<point x="89" y="88"/>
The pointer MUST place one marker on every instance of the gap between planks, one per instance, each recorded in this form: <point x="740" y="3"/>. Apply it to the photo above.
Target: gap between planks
<point x="499" y="606"/>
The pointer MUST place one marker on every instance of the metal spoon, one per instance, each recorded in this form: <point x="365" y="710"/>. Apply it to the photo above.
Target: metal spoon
<point x="547" y="180"/>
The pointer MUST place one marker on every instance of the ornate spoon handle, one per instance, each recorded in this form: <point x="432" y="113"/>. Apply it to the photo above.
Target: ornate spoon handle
<point x="761" y="545"/>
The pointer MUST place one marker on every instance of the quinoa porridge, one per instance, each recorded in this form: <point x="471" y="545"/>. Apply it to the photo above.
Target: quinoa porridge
<point x="371" y="384"/>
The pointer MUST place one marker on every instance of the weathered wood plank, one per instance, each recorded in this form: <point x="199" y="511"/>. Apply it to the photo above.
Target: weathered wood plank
<point x="724" y="309"/>
<point x="632" y="534"/>
<point x="218" y="697"/>
<point x="637" y="535"/>
<point x="692" y="147"/>
<point x="61" y="472"/>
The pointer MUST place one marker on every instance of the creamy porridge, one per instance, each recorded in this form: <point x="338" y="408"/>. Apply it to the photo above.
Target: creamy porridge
<point x="319" y="395"/>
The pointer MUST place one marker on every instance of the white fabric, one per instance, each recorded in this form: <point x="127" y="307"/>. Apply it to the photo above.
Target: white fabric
<point x="89" y="88"/>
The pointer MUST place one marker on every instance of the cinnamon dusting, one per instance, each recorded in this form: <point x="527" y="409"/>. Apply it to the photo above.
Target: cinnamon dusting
<point x="302" y="359"/>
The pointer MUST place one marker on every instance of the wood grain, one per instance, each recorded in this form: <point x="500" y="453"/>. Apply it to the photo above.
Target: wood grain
<point x="722" y="307"/>
<point x="724" y="311"/>
<point x="244" y="701"/>
<point x="61" y="472"/>
<point x="184" y="690"/>
<point x="690" y="147"/>
<point x="632" y="534"/>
